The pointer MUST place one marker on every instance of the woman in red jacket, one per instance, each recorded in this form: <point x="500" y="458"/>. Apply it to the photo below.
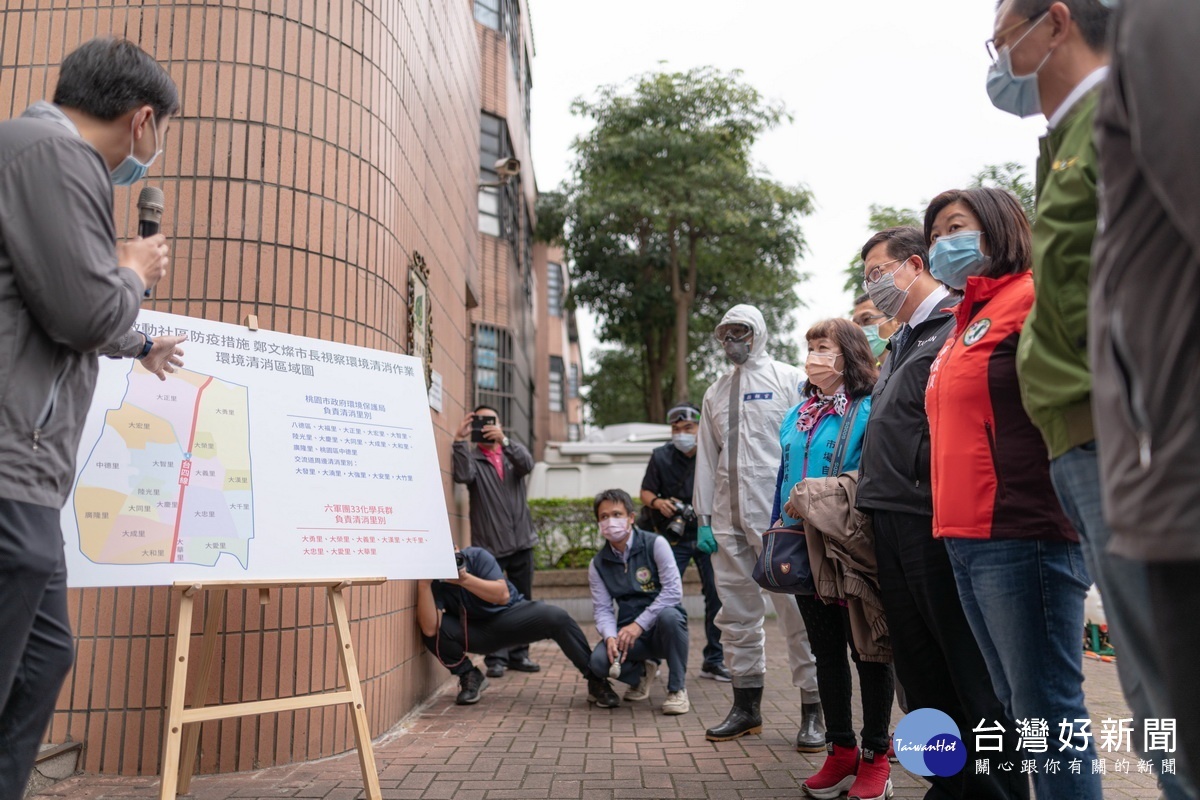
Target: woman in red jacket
<point x="1016" y="559"/>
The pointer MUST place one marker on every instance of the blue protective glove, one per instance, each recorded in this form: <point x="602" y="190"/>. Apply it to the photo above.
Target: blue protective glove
<point x="705" y="540"/>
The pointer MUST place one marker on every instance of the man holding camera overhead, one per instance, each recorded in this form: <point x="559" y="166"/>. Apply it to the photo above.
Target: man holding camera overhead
<point x="493" y="468"/>
<point x="667" y="496"/>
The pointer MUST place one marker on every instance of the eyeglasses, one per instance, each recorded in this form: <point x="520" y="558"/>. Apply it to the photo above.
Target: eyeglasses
<point x="876" y="274"/>
<point x="993" y="50"/>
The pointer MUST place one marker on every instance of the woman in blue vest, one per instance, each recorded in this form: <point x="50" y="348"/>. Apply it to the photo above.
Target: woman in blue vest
<point x="841" y="374"/>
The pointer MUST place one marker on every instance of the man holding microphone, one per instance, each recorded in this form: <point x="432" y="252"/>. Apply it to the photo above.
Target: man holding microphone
<point x="68" y="291"/>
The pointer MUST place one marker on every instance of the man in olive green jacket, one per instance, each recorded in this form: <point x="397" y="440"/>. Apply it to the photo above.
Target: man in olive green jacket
<point x="1052" y="59"/>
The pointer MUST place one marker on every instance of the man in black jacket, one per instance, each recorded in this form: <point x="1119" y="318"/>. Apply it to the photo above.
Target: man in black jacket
<point x="937" y="660"/>
<point x="669" y="480"/>
<point x="494" y="472"/>
<point x="481" y="611"/>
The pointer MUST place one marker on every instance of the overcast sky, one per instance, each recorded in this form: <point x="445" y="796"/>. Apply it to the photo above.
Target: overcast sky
<point x="888" y="100"/>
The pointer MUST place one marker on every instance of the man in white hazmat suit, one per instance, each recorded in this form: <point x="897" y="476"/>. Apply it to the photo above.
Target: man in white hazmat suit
<point x="737" y="459"/>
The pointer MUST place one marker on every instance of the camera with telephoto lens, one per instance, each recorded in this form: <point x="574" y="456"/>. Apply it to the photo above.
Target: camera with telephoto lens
<point x="684" y="513"/>
<point x="460" y="561"/>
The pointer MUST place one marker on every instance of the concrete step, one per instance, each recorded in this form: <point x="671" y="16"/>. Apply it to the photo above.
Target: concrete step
<point x="54" y="763"/>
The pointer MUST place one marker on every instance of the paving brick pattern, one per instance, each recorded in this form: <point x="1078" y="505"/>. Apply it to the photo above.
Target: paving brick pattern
<point x="534" y="736"/>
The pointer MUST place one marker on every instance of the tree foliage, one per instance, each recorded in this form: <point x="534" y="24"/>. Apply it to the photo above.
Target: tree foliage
<point x="669" y="223"/>
<point x="1010" y="177"/>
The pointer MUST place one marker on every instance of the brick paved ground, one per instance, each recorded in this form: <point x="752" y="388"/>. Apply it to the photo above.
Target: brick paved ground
<point x="534" y="736"/>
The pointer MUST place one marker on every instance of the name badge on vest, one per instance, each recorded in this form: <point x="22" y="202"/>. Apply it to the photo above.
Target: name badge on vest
<point x="757" y="396"/>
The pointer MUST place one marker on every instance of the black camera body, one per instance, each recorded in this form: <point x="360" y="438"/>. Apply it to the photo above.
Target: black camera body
<point x="684" y="514"/>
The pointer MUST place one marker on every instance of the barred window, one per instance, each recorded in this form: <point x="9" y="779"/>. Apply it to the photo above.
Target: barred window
<point x="492" y="147"/>
<point x="556" y="383"/>
<point x="554" y="289"/>
<point x="573" y="382"/>
<point x="494" y="370"/>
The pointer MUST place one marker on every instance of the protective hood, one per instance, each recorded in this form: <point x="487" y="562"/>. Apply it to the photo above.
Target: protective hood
<point x="742" y="314"/>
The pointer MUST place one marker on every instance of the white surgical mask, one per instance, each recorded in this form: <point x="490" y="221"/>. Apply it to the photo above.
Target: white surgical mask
<point x="684" y="442"/>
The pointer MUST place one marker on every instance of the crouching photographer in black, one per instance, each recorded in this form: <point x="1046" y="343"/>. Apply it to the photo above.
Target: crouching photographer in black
<point x="667" y="510"/>
<point x="481" y="612"/>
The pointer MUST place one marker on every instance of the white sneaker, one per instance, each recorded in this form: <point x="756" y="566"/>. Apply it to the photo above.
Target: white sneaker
<point x="642" y="690"/>
<point x="677" y="703"/>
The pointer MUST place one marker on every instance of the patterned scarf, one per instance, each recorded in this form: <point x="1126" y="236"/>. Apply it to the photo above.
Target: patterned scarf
<point x="818" y="406"/>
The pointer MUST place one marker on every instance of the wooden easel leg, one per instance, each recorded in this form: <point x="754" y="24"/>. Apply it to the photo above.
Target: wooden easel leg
<point x="208" y="650"/>
<point x="358" y="712"/>
<point x="179" y="670"/>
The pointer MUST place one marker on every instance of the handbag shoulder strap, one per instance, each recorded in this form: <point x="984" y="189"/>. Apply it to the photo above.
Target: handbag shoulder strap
<point x="843" y="439"/>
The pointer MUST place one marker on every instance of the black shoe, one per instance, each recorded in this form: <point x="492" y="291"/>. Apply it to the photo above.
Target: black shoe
<point x="743" y="718"/>
<point x="716" y="672"/>
<point x="472" y="685"/>
<point x="811" y="736"/>
<point x="495" y="671"/>
<point x="600" y="692"/>
<point x="524" y="665"/>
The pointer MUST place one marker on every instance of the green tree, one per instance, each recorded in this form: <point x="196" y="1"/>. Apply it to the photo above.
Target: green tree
<point x="1011" y="177"/>
<point x="669" y="222"/>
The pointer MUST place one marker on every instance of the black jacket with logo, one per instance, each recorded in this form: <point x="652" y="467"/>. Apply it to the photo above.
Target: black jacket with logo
<point x="894" y="472"/>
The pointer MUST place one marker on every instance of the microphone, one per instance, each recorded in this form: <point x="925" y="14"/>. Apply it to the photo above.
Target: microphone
<point x="150" y="211"/>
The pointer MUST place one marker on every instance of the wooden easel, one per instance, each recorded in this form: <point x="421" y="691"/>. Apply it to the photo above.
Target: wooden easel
<point x="182" y="734"/>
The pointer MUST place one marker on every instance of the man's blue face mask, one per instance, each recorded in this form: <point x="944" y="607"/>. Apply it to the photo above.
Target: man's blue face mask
<point x="1016" y="94"/>
<point x="130" y="171"/>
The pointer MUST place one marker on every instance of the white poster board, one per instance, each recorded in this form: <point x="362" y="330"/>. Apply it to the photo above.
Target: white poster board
<point x="269" y="456"/>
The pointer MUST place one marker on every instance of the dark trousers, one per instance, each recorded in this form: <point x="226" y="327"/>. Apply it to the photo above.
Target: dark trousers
<point x="1177" y="635"/>
<point x="515" y="626"/>
<point x="829" y="634"/>
<point x="667" y="639"/>
<point x="36" y="650"/>
<point x="936" y="657"/>
<point x="685" y="550"/>
<point x="518" y="567"/>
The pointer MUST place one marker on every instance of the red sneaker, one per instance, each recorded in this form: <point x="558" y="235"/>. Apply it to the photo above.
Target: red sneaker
<point x="873" y="781"/>
<point x="836" y="774"/>
<point x="891" y="753"/>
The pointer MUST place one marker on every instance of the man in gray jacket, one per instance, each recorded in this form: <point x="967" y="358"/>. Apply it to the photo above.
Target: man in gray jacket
<point x="68" y="291"/>
<point x="494" y="471"/>
<point x="1144" y="345"/>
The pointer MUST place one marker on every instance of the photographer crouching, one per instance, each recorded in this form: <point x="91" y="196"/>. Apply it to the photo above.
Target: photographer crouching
<point x="481" y="612"/>
<point x="667" y="502"/>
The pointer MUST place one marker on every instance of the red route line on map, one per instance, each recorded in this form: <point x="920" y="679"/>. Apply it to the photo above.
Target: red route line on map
<point x="191" y="444"/>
